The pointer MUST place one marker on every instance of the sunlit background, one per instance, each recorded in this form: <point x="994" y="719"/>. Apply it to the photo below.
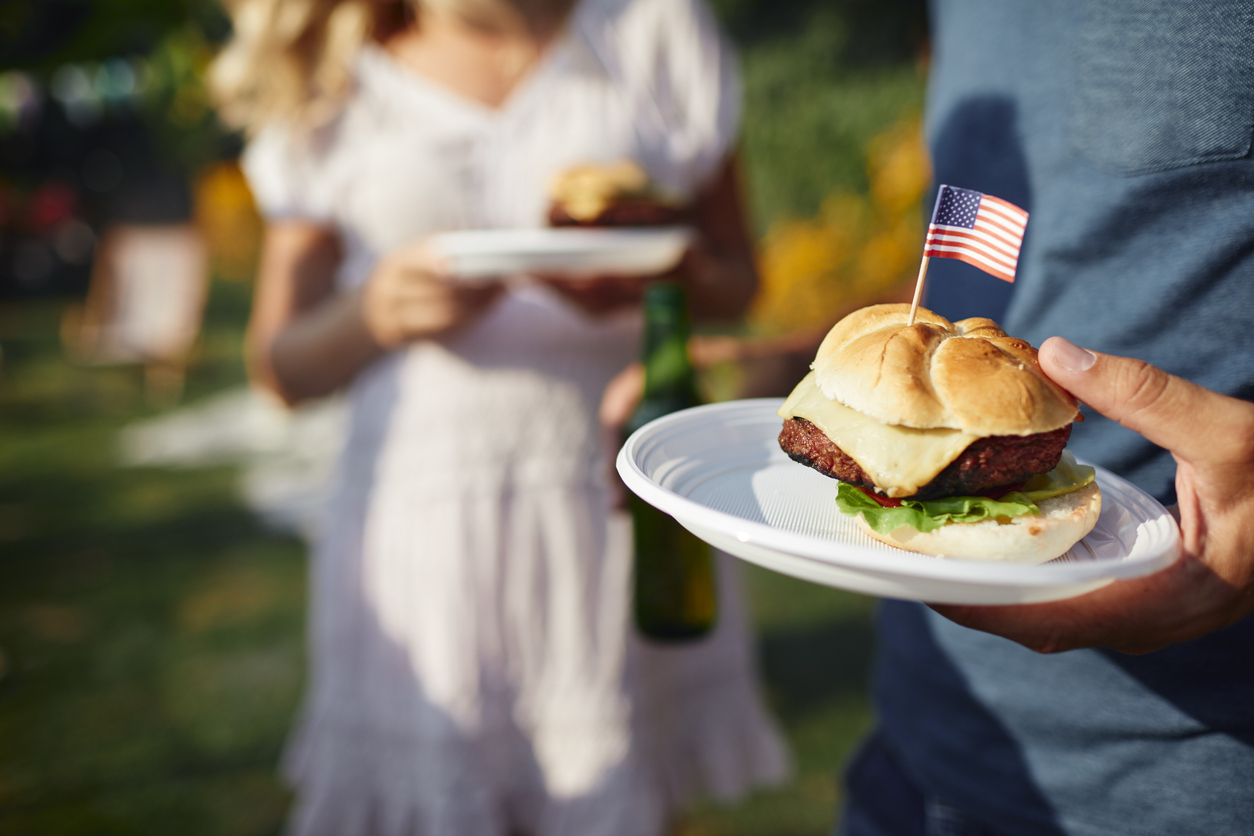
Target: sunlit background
<point x="151" y="561"/>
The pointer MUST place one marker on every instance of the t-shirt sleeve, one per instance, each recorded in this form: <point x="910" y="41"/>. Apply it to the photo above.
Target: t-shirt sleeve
<point x="284" y="175"/>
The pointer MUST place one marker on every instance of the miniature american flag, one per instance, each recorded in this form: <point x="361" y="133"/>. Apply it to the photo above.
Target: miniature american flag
<point x="982" y="230"/>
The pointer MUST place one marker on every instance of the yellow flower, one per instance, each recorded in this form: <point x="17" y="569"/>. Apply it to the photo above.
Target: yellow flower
<point x="229" y="221"/>
<point x="856" y="249"/>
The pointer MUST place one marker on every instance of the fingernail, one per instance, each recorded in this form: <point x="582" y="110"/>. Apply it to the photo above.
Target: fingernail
<point x="1071" y="357"/>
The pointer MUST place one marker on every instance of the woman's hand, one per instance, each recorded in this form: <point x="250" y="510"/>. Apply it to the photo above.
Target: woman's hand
<point x="717" y="270"/>
<point x="411" y="297"/>
<point x="598" y="295"/>
<point x="306" y="339"/>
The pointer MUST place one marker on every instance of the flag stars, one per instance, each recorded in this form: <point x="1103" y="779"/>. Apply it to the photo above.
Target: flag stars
<point x="957" y="207"/>
<point x="984" y="234"/>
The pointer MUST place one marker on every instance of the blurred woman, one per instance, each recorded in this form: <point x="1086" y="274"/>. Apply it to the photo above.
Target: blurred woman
<point x="473" y="666"/>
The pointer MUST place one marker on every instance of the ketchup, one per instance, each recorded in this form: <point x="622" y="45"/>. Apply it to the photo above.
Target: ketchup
<point x="886" y="501"/>
<point x="988" y="493"/>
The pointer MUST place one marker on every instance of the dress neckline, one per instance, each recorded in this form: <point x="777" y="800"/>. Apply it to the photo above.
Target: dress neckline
<point x="523" y="90"/>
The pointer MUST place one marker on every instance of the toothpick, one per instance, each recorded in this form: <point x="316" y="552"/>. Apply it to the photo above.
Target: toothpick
<point x="918" y="291"/>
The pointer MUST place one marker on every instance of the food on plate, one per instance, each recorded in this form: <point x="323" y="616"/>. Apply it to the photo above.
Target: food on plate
<point x="947" y="437"/>
<point x="616" y="194"/>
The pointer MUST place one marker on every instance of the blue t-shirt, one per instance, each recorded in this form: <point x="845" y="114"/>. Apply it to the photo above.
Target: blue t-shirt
<point x="1125" y="129"/>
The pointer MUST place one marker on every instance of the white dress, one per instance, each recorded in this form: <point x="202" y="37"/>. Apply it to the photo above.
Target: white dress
<point x="474" y="671"/>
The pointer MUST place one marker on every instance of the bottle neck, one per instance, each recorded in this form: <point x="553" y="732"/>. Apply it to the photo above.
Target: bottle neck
<point x="668" y="372"/>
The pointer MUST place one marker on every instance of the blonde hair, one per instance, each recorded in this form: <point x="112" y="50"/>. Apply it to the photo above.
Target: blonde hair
<point x="290" y="60"/>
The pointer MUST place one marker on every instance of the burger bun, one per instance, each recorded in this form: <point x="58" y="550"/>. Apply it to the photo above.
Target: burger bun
<point x="966" y="375"/>
<point x="1063" y="522"/>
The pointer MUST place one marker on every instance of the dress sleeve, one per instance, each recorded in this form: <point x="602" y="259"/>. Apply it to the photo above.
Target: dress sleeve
<point x="704" y="73"/>
<point x="694" y="79"/>
<point x="284" y="175"/>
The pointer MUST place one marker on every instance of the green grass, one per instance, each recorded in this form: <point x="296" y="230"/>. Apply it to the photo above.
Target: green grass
<point x="151" y="631"/>
<point x="814" y="655"/>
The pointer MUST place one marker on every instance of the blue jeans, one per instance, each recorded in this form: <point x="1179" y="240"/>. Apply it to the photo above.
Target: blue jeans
<point x="882" y="800"/>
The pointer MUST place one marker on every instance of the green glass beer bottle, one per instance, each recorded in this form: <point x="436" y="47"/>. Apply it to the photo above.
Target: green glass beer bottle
<point x="674" y="594"/>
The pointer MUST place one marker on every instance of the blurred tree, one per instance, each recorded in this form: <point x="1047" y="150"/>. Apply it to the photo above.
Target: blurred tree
<point x="821" y="78"/>
<point x="41" y="35"/>
<point x="835" y="161"/>
<point x="139" y="59"/>
<point x="859" y="34"/>
<point x="104" y="100"/>
<point x="858" y="248"/>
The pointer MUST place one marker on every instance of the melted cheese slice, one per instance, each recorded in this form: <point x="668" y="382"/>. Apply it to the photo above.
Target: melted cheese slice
<point x="899" y="460"/>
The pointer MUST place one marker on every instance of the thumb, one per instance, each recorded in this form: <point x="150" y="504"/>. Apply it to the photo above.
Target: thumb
<point x="423" y="256"/>
<point x="1171" y="412"/>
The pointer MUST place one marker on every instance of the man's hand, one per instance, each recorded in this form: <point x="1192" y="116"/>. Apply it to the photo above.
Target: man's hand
<point x="1212" y="585"/>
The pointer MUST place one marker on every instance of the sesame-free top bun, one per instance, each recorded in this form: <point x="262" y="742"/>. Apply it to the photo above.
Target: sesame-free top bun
<point x="967" y="375"/>
<point x="1063" y="521"/>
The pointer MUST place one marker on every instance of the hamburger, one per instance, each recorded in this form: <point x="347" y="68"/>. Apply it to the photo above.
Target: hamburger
<point x="614" y="195"/>
<point x="946" y="437"/>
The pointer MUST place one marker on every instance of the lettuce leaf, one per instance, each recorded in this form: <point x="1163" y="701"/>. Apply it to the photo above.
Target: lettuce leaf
<point x="931" y="514"/>
<point x="928" y="515"/>
<point x="1068" y="476"/>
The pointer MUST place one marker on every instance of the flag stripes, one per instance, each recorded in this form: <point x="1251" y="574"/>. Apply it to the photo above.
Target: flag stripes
<point x="984" y="231"/>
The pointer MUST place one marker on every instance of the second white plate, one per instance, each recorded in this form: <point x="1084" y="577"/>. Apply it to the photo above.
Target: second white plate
<point x="642" y="251"/>
<point x="719" y="471"/>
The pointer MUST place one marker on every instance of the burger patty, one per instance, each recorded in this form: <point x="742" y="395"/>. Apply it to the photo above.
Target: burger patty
<point x="990" y="462"/>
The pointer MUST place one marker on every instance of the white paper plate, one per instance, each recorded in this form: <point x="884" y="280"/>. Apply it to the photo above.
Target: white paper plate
<point x="719" y="471"/>
<point x="640" y="251"/>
